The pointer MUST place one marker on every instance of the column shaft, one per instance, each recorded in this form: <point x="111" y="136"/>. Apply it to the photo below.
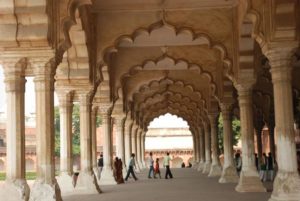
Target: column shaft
<point x="201" y="150"/>
<point x="15" y="182"/>
<point x="65" y="180"/>
<point x="216" y="168"/>
<point x="94" y="137"/>
<point x="65" y="110"/>
<point x="249" y="180"/>
<point x="127" y="139"/>
<point x="107" y="173"/>
<point x="287" y="182"/>
<point x="229" y="173"/>
<point x="45" y="186"/>
<point x="207" y="149"/>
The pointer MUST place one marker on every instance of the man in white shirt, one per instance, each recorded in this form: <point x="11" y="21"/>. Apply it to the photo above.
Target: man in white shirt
<point x="167" y="160"/>
<point x="151" y="168"/>
<point x="130" y="168"/>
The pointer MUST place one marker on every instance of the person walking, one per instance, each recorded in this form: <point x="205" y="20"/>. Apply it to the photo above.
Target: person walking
<point x="156" y="169"/>
<point x="100" y="166"/>
<point x="130" y="170"/>
<point x="151" y="168"/>
<point x="270" y="167"/>
<point x="167" y="160"/>
<point x="119" y="171"/>
<point x="263" y="168"/>
<point x="238" y="163"/>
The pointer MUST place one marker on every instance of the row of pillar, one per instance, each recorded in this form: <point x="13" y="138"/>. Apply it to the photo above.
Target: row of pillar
<point x="287" y="183"/>
<point x="46" y="187"/>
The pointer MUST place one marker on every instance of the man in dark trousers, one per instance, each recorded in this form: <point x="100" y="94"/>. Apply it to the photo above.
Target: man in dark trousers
<point x="130" y="170"/>
<point x="167" y="160"/>
<point x="151" y="168"/>
<point x="100" y="166"/>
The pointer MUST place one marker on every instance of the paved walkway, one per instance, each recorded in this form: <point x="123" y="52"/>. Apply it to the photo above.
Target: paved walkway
<point x="187" y="185"/>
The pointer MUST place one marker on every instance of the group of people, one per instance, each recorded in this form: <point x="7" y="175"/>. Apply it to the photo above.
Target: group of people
<point x="265" y="166"/>
<point x="155" y="170"/>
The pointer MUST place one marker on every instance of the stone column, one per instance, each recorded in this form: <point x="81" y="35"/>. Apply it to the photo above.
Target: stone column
<point x="119" y="121"/>
<point x="287" y="182"/>
<point x="45" y="186"/>
<point x="87" y="181"/>
<point x="94" y="114"/>
<point x="249" y="180"/>
<point x="207" y="164"/>
<point x="196" y="150"/>
<point x="216" y="168"/>
<point x="138" y="148"/>
<point x="107" y="177"/>
<point x="134" y="144"/>
<point x="15" y="186"/>
<point x="143" y="149"/>
<point x="127" y="139"/>
<point x="229" y="174"/>
<point x="65" y="180"/>
<point x="201" y="150"/>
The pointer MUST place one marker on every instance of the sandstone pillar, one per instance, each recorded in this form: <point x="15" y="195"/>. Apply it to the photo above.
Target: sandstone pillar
<point x="249" y="180"/>
<point x="65" y="180"/>
<point x="45" y="187"/>
<point x="196" y="150"/>
<point x="94" y="114"/>
<point x="138" y="148"/>
<point x="287" y="182"/>
<point x="134" y="144"/>
<point x="207" y="164"/>
<point x="87" y="181"/>
<point x="15" y="186"/>
<point x="119" y="121"/>
<point x="143" y="149"/>
<point x="216" y="168"/>
<point x="127" y="139"/>
<point x="201" y="150"/>
<point x="107" y="177"/>
<point x="229" y="174"/>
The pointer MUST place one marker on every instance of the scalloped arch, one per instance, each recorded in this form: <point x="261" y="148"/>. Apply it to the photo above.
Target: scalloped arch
<point x="67" y="23"/>
<point x="177" y="32"/>
<point x="183" y="99"/>
<point x="168" y="60"/>
<point x="170" y="82"/>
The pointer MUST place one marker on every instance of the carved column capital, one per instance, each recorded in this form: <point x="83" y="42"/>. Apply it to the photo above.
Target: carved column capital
<point x="14" y="74"/>
<point x="105" y="108"/>
<point x="281" y="60"/>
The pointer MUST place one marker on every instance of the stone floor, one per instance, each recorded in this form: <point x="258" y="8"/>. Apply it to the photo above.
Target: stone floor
<point x="187" y="185"/>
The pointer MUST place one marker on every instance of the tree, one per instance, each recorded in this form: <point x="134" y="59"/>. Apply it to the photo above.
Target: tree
<point x="236" y="129"/>
<point x="75" y="129"/>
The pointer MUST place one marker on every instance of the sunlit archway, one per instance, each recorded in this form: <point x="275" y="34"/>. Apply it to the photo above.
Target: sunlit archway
<point x="169" y="133"/>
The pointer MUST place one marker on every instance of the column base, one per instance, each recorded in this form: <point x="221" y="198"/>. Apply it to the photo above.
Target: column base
<point x="229" y="175"/>
<point x="200" y="166"/>
<point x="65" y="181"/>
<point x="96" y="172"/>
<point x="138" y="169"/>
<point x="107" y="177"/>
<point x="215" y="171"/>
<point x="144" y="165"/>
<point x="286" y="187"/>
<point x="206" y="168"/>
<point x="250" y="182"/>
<point x="17" y="190"/>
<point x="141" y="166"/>
<point x="195" y="165"/>
<point x="87" y="183"/>
<point x="44" y="191"/>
